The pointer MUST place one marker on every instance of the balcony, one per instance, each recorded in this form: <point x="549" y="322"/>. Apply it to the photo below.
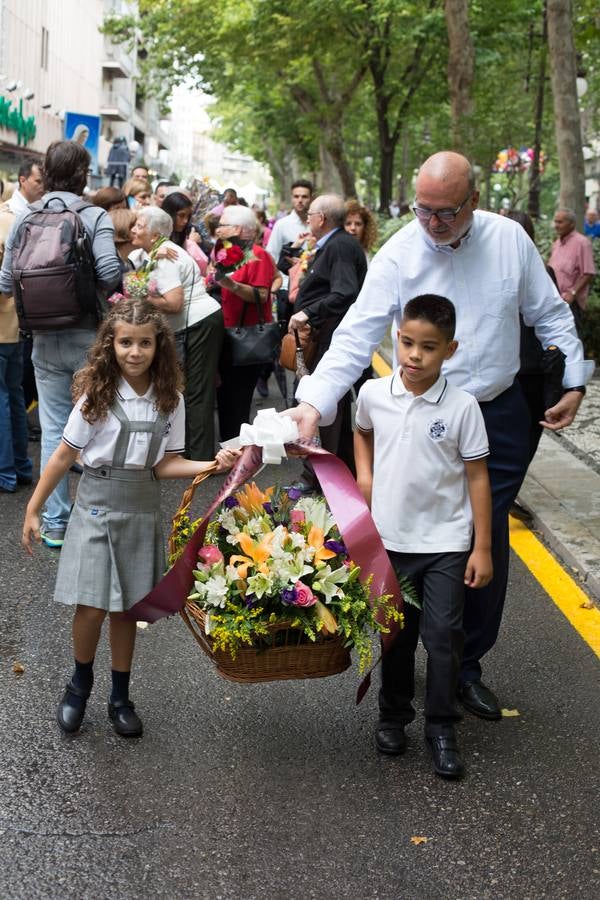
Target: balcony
<point x="117" y="61"/>
<point x="115" y="106"/>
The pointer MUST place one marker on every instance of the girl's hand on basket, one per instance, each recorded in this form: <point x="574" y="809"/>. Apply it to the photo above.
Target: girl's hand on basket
<point x="226" y="459"/>
<point x="31" y="532"/>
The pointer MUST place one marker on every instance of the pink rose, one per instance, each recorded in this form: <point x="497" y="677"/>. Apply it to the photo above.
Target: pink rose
<point x="304" y="595"/>
<point x="296" y="519"/>
<point x="209" y="555"/>
<point x="221" y="256"/>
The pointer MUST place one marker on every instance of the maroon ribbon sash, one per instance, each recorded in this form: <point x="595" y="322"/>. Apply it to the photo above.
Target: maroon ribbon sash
<point x="349" y="510"/>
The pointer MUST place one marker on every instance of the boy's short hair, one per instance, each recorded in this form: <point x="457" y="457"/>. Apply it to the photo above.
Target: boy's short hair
<point x="436" y="310"/>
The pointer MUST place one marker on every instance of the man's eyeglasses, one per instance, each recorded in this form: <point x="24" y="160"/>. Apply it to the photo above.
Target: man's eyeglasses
<point x="225" y="225"/>
<point x="315" y="212"/>
<point x="444" y="215"/>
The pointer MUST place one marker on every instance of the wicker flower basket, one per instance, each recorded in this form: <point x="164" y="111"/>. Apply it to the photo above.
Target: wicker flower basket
<point x="287" y="654"/>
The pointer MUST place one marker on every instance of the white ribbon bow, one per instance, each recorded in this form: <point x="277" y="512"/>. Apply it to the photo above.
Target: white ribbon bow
<point x="269" y="431"/>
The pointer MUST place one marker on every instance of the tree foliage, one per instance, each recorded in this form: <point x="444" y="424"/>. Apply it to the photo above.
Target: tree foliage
<point x="360" y="91"/>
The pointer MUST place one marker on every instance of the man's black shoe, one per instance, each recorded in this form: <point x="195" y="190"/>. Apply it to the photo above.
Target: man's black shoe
<point x="71" y="708"/>
<point x="390" y="739"/>
<point x="124" y="718"/>
<point x="445" y="755"/>
<point x="479" y="700"/>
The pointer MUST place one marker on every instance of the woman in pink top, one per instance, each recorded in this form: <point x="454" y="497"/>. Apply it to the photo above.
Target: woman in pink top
<point x="179" y="207"/>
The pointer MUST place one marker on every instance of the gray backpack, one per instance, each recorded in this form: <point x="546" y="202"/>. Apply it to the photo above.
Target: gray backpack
<point x="53" y="268"/>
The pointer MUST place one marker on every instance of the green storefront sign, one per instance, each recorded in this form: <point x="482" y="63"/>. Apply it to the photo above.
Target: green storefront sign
<point x="13" y="119"/>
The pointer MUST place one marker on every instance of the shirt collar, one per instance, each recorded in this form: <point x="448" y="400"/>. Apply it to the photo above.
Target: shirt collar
<point x="564" y="240"/>
<point x="446" y="248"/>
<point x="433" y="395"/>
<point x="18" y="203"/>
<point x="126" y="392"/>
<point x="323" y="240"/>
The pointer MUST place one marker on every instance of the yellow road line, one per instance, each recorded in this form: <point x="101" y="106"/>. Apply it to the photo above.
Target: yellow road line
<point x="559" y="586"/>
<point x="379" y="364"/>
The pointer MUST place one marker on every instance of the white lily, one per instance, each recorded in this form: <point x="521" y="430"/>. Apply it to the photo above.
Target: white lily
<point x="328" y="582"/>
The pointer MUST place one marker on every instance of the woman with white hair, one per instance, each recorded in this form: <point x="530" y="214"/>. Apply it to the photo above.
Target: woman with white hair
<point x="195" y="317"/>
<point x="239" y="293"/>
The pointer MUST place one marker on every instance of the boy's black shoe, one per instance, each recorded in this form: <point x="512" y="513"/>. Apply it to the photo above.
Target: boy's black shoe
<point x="71" y="708"/>
<point x="390" y="739"/>
<point x="479" y="700"/>
<point x="445" y="755"/>
<point x="124" y="718"/>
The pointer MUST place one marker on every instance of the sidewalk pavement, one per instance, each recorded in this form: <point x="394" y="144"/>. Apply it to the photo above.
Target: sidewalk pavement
<point x="562" y="491"/>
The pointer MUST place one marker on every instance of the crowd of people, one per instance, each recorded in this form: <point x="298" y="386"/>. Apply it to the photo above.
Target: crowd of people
<point x="127" y="390"/>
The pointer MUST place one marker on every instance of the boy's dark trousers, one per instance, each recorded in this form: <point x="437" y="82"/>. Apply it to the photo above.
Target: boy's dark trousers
<point x="438" y="579"/>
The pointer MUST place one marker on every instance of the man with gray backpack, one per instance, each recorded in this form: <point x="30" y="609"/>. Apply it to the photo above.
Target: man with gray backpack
<point x="60" y="263"/>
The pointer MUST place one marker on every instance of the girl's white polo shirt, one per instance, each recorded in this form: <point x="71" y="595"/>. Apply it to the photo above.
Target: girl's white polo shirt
<point x="420" y="500"/>
<point x="98" y="442"/>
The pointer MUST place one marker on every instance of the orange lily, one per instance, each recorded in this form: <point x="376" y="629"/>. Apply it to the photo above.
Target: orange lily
<point x="251" y="498"/>
<point x="316" y="539"/>
<point x="257" y="553"/>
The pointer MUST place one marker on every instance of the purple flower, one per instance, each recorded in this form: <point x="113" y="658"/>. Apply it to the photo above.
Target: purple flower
<point x="230" y="503"/>
<point x="336" y="547"/>
<point x="250" y="600"/>
<point x="268" y="509"/>
<point x="294" y="494"/>
<point x="288" y="596"/>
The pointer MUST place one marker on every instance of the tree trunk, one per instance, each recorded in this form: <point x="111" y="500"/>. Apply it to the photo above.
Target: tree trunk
<point x="330" y="177"/>
<point x="563" y="67"/>
<point x="387" y="152"/>
<point x="342" y="179"/>
<point x="461" y="66"/>
<point x="533" y="202"/>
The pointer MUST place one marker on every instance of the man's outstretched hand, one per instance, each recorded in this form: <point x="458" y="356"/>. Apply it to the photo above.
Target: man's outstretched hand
<point x="306" y="417"/>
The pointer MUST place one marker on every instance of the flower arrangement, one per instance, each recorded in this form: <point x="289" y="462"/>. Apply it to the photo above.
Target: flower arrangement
<point x="138" y="285"/>
<point x="275" y="557"/>
<point x="229" y="255"/>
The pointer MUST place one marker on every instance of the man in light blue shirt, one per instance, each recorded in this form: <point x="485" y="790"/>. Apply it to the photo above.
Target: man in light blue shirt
<point x="490" y="269"/>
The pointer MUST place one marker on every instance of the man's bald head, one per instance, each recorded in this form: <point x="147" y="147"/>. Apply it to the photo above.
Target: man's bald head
<point x="446" y="184"/>
<point x="448" y="167"/>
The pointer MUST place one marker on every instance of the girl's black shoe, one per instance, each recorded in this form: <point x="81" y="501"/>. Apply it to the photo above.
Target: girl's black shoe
<point x="124" y="718"/>
<point x="71" y="708"/>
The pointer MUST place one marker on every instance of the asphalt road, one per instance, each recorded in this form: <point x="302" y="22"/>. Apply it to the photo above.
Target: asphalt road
<point x="276" y="791"/>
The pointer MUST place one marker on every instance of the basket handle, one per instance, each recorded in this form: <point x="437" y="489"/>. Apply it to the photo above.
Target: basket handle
<point x="188" y="496"/>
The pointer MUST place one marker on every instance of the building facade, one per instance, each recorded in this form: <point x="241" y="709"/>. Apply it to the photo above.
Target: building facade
<point x="54" y="60"/>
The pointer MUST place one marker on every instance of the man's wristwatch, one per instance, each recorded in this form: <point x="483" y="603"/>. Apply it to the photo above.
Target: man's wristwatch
<point x="580" y="389"/>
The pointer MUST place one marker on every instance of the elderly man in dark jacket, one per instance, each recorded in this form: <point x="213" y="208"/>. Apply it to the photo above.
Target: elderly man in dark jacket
<point x="332" y="283"/>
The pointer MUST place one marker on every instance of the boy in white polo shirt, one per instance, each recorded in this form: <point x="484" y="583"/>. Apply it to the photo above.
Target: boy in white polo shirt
<point x="420" y="446"/>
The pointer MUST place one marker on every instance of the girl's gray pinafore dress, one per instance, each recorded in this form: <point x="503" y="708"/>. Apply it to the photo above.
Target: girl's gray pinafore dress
<point x="114" y="551"/>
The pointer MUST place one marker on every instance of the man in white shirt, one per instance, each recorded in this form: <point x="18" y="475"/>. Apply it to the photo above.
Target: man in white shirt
<point x="30" y="190"/>
<point x="490" y="269"/>
<point x="286" y="231"/>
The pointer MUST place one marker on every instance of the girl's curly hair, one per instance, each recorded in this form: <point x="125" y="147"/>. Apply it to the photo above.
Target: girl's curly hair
<point x="100" y="377"/>
<point x="369" y="235"/>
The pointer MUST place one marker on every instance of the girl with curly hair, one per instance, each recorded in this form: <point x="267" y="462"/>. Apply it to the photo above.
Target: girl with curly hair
<point x="128" y="424"/>
<point x="362" y="225"/>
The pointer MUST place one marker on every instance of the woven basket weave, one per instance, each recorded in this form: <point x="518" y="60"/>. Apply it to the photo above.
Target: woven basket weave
<point x="288" y="654"/>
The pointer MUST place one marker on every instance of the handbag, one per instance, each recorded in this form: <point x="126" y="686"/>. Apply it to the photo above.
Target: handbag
<point x="249" y="345"/>
<point x="296" y="348"/>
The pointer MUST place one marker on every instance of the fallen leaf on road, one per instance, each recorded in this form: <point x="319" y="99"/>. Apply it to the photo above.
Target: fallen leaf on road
<point x="587" y="605"/>
<point x="418" y="839"/>
<point x="508" y="713"/>
<point x="142" y="625"/>
<point x="18" y="668"/>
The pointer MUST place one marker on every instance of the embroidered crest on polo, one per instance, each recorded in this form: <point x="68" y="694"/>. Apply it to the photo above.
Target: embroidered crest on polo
<point x="437" y="429"/>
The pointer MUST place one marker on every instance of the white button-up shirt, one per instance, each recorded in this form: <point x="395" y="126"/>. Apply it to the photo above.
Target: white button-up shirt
<point x="285" y="230"/>
<point x="495" y="273"/>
